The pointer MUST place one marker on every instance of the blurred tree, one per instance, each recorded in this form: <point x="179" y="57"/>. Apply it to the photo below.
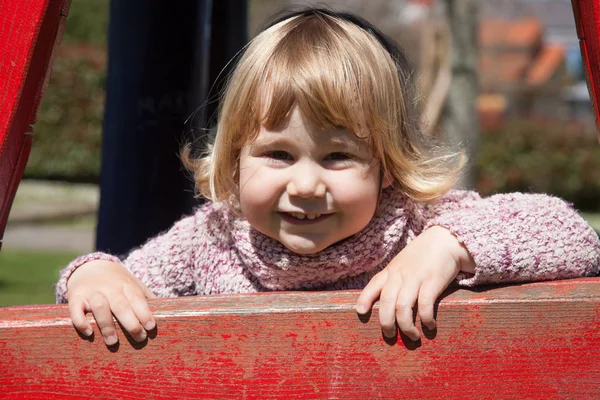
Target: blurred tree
<point x="68" y="129"/>
<point x="459" y="117"/>
<point x="87" y="22"/>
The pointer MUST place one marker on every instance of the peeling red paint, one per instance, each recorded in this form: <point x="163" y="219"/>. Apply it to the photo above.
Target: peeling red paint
<point x="482" y="349"/>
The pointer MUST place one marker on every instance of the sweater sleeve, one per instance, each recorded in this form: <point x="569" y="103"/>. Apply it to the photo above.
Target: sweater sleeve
<point x="519" y="237"/>
<point x="164" y="263"/>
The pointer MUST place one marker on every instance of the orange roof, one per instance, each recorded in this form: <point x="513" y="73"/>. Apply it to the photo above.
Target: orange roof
<point x="503" y="33"/>
<point x="503" y="68"/>
<point x="512" y="52"/>
<point x="545" y="64"/>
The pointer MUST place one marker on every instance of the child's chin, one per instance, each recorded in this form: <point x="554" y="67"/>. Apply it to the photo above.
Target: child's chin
<point x="304" y="248"/>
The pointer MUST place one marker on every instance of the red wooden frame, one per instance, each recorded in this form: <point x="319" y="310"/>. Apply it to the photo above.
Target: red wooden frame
<point x="533" y="341"/>
<point x="29" y="32"/>
<point x="587" y="19"/>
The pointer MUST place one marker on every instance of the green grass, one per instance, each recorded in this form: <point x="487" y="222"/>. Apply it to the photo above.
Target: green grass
<point x="28" y="277"/>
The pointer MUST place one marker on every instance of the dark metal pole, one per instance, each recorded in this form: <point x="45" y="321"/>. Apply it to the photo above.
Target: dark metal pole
<point x="156" y="79"/>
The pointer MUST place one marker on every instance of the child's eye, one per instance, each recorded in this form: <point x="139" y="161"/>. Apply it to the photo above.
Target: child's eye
<point x="338" y="156"/>
<point x="279" y="155"/>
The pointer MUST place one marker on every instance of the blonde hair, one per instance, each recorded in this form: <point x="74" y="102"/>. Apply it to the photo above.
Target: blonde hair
<point x="338" y="75"/>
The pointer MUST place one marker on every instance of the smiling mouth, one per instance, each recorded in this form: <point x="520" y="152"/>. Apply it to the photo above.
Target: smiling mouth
<point x="301" y="218"/>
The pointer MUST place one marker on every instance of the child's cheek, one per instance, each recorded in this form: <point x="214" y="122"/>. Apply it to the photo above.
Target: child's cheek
<point x="357" y="194"/>
<point x="356" y="187"/>
<point x="256" y="190"/>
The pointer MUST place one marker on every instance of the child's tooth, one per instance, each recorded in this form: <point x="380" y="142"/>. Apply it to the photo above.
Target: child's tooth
<point x="298" y="215"/>
<point x="311" y="216"/>
<point x="317" y="215"/>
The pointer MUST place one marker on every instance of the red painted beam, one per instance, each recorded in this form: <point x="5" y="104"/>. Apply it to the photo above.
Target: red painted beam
<point x="539" y="340"/>
<point x="587" y="19"/>
<point x="29" y="33"/>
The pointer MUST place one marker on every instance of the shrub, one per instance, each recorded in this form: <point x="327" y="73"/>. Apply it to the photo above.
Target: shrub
<point x="552" y="158"/>
<point x="67" y="135"/>
<point x="87" y="22"/>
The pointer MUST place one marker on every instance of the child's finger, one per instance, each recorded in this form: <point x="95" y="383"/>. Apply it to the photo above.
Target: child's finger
<point x="407" y="297"/>
<point x="428" y="294"/>
<point x="77" y="309"/>
<point x="387" y="304"/>
<point x="101" y="309"/>
<point x="123" y="312"/>
<point x="138" y="302"/>
<point x="371" y="292"/>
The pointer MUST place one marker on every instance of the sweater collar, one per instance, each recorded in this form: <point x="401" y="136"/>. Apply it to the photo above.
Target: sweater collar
<point x="278" y="268"/>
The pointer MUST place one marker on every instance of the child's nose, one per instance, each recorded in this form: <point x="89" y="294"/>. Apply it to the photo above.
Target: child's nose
<point x="306" y="182"/>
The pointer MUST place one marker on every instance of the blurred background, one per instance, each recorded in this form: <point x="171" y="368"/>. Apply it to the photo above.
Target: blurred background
<point x="504" y="78"/>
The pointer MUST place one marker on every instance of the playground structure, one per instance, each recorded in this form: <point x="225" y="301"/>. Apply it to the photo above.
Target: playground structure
<point x="537" y="340"/>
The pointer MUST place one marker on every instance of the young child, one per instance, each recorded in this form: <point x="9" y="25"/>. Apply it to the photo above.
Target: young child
<point x="320" y="179"/>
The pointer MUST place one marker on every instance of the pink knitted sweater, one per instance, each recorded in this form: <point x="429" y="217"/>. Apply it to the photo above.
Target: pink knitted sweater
<point x="512" y="238"/>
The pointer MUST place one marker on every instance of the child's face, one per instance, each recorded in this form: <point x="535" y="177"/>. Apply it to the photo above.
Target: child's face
<point x="308" y="188"/>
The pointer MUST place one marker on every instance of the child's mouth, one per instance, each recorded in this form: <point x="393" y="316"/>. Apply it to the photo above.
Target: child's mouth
<point x="302" y="219"/>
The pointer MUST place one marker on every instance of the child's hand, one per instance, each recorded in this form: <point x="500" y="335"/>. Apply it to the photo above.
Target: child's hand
<point x="420" y="272"/>
<point x="105" y="288"/>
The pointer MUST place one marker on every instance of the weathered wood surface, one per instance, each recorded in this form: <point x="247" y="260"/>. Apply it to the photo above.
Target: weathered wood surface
<point x="587" y="19"/>
<point x="539" y="340"/>
<point x="29" y="31"/>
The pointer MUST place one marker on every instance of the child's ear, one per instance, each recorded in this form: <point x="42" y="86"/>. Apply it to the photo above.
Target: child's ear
<point x="387" y="180"/>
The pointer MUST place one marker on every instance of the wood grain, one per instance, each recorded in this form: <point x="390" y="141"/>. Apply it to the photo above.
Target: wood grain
<point x="539" y="340"/>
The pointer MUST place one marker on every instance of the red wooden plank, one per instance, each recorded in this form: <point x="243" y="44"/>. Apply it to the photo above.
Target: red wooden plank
<point x="29" y="30"/>
<point x="539" y="340"/>
<point x="587" y="19"/>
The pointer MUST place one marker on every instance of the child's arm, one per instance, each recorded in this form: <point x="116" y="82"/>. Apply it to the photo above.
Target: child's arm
<point x="519" y="237"/>
<point x="504" y="238"/>
<point x="105" y="285"/>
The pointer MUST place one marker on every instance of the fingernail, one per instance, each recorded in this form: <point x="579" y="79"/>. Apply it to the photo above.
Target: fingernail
<point x="110" y="340"/>
<point x="360" y="309"/>
<point x="149" y="325"/>
<point x="88" y="332"/>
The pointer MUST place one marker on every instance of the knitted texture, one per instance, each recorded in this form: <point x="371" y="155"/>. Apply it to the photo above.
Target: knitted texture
<point x="512" y="238"/>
